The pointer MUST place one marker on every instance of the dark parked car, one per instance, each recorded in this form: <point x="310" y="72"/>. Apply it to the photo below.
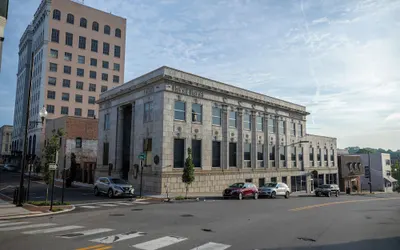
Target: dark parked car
<point x="11" y="168"/>
<point x="327" y="190"/>
<point x="241" y="190"/>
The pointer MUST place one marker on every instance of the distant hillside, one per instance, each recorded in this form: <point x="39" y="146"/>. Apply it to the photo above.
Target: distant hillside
<point x="358" y="150"/>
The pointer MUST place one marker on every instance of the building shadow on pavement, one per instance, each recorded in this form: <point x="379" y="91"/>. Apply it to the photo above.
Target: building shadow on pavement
<point x="392" y="243"/>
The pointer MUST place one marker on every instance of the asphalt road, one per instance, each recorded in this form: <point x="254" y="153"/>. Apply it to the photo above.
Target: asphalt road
<point x="347" y="222"/>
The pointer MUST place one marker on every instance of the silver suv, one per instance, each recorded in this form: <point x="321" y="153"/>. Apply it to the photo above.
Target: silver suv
<point x="113" y="187"/>
<point x="272" y="190"/>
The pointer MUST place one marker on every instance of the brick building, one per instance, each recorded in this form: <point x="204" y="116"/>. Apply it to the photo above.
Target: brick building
<point x="80" y="141"/>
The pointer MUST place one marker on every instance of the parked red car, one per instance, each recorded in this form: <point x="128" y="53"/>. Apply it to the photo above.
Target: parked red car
<point x="241" y="190"/>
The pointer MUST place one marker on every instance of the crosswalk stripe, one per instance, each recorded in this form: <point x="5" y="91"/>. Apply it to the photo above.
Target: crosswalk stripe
<point x="118" y="237"/>
<point x="141" y="202"/>
<point x="27" y="226"/>
<point x="159" y="243"/>
<point x="212" y="246"/>
<point x="90" y="207"/>
<point x="52" y="230"/>
<point x="85" y="233"/>
<point x="125" y="203"/>
<point x="12" y="224"/>
<point x="107" y="205"/>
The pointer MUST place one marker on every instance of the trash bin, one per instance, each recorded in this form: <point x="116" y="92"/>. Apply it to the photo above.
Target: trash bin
<point x="348" y="190"/>
<point x="16" y="195"/>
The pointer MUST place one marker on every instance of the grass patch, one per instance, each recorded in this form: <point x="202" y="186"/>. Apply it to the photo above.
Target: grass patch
<point x="56" y="209"/>
<point x="180" y="198"/>
<point x="44" y="203"/>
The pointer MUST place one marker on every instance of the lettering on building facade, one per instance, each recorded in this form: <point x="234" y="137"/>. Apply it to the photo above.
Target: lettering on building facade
<point x="187" y="91"/>
<point x="149" y="90"/>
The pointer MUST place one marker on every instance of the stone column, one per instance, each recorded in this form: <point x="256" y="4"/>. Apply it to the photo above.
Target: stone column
<point x="133" y="156"/>
<point x="240" y="138"/>
<point x="277" y="143"/>
<point x="119" y="140"/>
<point x="286" y="143"/>
<point x="225" y="137"/>
<point x="187" y="127"/>
<point x="254" y="141"/>
<point x="266" y="141"/>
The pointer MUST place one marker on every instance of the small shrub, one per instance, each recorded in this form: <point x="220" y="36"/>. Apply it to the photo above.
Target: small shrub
<point x="179" y="198"/>
<point x="56" y="209"/>
<point x="44" y="203"/>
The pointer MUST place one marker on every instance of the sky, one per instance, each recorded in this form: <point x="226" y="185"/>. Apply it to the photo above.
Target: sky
<point x="340" y="59"/>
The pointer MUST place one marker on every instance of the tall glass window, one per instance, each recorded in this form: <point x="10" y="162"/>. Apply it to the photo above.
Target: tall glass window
<point x="197" y="112"/>
<point x="216" y="116"/>
<point x="247" y="121"/>
<point x="260" y="123"/>
<point x="179" y="153"/>
<point x="196" y="151"/>
<point x="180" y="111"/>
<point x="232" y="119"/>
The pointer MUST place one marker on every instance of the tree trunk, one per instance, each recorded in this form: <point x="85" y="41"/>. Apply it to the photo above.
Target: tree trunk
<point x="187" y="189"/>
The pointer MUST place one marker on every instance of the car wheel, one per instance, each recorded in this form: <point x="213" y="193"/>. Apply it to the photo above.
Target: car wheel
<point x="318" y="194"/>
<point x="96" y="191"/>
<point x="337" y="193"/>
<point x="240" y="196"/>
<point x="110" y="193"/>
<point x="287" y="195"/>
<point x="256" y="196"/>
<point x="273" y="195"/>
<point x="328" y="194"/>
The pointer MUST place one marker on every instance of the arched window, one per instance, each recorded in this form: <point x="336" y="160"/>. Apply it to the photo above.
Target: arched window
<point x="34" y="144"/>
<point x="118" y="32"/>
<point x="70" y="18"/>
<point x="95" y="26"/>
<point x="107" y="30"/>
<point x="30" y="145"/>
<point x="56" y="15"/>
<point x="78" y="142"/>
<point x="83" y="23"/>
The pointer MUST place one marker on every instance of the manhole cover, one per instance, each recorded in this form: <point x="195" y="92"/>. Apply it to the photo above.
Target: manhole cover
<point x="306" y="239"/>
<point x="117" y="214"/>
<point x="137" y="209"/>
<point x="187" y="215"/>
<point x="206" y="230"/>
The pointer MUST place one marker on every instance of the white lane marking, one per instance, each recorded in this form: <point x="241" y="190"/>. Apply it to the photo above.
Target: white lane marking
<point x="141" y="202"/>
<point x="90" y="207"/>
<point x="212" y="246"/>
<point x="52" y="230"/>
<point x="159" y="243"/>
<point x="118" y="237"/>
<point x="27" y="226"/>
<point x="85" y="233"/>
<point x="124" y="203"/>
<point x="108" y="205"/>
<point x="12" y="224"/>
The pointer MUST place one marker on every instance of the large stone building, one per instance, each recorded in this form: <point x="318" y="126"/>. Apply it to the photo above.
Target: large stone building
<point x="5" y="143"/>
<point x="75" y="52"/>
<point x="235" y="135"/>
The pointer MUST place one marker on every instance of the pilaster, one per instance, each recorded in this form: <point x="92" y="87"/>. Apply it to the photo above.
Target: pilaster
<point x="240" y="138"/>
<point x="225" y="137"/>
<point x="254" y="161"/>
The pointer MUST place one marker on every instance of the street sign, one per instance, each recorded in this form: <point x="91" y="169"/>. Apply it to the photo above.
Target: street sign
<point x="52" y="166"/>
<point x="367" y="172"/>
<point x="142" y="156"/>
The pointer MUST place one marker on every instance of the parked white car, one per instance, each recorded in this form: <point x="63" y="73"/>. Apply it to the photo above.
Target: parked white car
<point x="272" y="190"/>
<point x="113" y="187"/>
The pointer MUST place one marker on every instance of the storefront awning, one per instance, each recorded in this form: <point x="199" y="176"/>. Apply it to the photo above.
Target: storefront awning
<point x="390" y="179"/>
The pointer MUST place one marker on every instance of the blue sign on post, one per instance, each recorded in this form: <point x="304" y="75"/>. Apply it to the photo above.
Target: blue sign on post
<point x="142" y="156"/>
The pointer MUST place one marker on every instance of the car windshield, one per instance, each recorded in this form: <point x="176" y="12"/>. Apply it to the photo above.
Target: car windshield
<point x="118" y="181"/>
<point x="270" y="185"/>
<point x="237" y="185"/>
<point x="324" y="186"/>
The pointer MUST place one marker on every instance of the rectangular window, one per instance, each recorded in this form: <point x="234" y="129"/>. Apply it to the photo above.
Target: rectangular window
<point x="81" y="59"/>
<point x="51" y="94"/>
<point x="82" y="42"/>
<point x="319" y="154"/>
<point x="180" y="111"/>
<point x="247" y="151"/>
<point x="232" y="119"/>
<point x="247" y="121"/>
<point x="232" y="154"/>
<point x="90" y="113"/>
<point x="293" y="153"/>
<point x="105" y="64"/>
<point x="78" y="98"/>
<point x="332" y="155"/>
<point x="64" y="110"/>
<point x="53" y="53"/>
<point x="65" y="96"/>
<point x="80" y="72"/>
<point x="106" y="152"/>
<point x="52" y="81"/>
<point x="260" y="123"/>
<point x="179" y="153"/>
<point x="50" y="109"/>
<point x="216" y="116"/>
<point x="117" y="51"/>
<point x="260" y="152"/>
<point x="92" y="74"/>
<point x="106" y="48"/>
<point x="92" y="100"/>
<point x="271" y="125"/>
<point x="216" y="154"/>
<point x="300" y="130"/>
<point x="67" y="70"/>
<point x="281" y="127"/>
<point x="104" y="88"/>
<point x="107" y="121"/>
<point x="116" y="67"/>
<point x="282" y="155"/>
<point x="53" y="67"/>
<point x="55" y="35"/>
<point x="78" y="112"/>
<point x="197" y="111"/>
<point x="293" y="129"/>
<point x="325" y="154"/>
<point x="94" y="46"/>
<point x="79" y="85"/>
<point x="196" y="151"/>
<point x="261" y="182"/>
<point x="284" y="179"/>
<point x="274" y="180"/>
<point x="66" y="83"/>
<point x="148" y="112"/>
<point x="300" y="154"/>
<point x="115" y="79"/>
<point x="67" y="57"/>
<point x="271" y="152"/>
<point x="104" y="77"/>
<point x="69" y="38"/>
<point x="311" y="156"/>
<point x="92" y="87"/>
<point x="93" y="62"/>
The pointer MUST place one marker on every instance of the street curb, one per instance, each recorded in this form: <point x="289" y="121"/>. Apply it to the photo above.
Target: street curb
<point x="38" y="215"/>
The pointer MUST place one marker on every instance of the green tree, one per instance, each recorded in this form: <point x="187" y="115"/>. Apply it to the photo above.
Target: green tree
<point x="49" y="152"/>
<point x="188" y="171"/>
<point x="365" y="151"/>
<point x="396" y="174"/>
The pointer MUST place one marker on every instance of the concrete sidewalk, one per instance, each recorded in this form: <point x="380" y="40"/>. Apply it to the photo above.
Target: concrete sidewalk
<point x="10" y="210"/>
